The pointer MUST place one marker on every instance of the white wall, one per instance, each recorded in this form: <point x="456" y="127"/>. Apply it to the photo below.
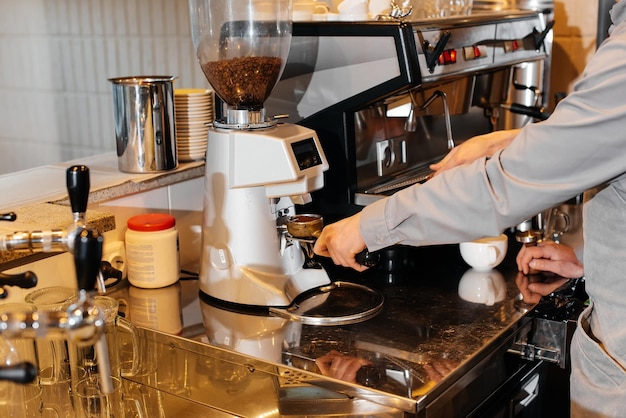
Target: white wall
<point x="182" y="200"/>
<point x="55" y="58"/>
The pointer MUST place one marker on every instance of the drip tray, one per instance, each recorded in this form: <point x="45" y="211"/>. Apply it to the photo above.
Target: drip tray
<point x="391" y="185"/>
<point x="337" y="303"/>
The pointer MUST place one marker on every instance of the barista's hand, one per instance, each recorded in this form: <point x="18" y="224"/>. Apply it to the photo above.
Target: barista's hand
<point x="341" y="241"/>
<point x="339" y="366"/>
<point x="535" y="286"/>
<point x="474" y="148"/>
<point x="550" y="257"/>
<point x="437" y="370"/>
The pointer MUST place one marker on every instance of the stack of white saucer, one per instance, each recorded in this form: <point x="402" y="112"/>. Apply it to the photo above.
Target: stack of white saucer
<point x="193" y="110"/>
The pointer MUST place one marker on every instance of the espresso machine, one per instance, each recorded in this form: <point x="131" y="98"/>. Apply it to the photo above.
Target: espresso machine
<point x="387" y="98"/>
<point x="257" y="168"/>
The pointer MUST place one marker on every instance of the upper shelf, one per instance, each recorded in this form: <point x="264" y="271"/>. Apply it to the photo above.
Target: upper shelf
<point x="39" y="196"/>
<point x="47" y="184"/>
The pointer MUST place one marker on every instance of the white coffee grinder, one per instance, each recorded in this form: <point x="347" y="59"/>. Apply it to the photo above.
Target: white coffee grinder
<point x="257" y="169"/>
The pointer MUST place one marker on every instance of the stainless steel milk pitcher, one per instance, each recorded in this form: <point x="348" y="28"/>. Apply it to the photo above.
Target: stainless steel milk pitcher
<point x="144" y="123"/>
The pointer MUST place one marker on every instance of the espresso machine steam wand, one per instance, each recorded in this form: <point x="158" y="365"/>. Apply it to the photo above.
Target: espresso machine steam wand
<point x="411" y="120"/>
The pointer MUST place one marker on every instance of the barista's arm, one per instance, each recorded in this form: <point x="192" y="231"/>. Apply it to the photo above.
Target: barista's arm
<point x="579" y="147"/>
<point x="475" y="148"/>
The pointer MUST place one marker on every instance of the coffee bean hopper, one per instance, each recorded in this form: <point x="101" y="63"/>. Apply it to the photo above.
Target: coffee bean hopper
<point x="257" y="169"/>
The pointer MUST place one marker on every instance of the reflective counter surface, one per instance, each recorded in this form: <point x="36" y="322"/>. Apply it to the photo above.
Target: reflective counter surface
<point x="426" y="344"/>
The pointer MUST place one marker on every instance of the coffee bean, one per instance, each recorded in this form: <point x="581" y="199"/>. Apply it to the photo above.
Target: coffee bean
<point x="243" y="82"/>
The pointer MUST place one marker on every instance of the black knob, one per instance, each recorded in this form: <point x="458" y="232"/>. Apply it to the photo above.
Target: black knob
<point x="19" y="373"/>
<point x="78" y="187"/>
<point x="11" y="216"/>
<point x="24" y="280"/>
<point x="110" y="272"/>
<point x="532" y="111"/>
<point x="87" y="256"/>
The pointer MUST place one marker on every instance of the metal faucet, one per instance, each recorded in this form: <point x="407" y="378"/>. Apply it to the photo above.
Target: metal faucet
<point x="56" y="239"/>
<point x="78" y="185"/>
<point x="82" y="323"/>
<point x="411" y="121"/>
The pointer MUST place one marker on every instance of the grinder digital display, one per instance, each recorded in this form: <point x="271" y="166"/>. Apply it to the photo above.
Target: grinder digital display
<point x="306" y="153"/>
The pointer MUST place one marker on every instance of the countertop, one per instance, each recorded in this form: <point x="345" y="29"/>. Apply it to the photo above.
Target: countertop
<point x="425" y="338"/>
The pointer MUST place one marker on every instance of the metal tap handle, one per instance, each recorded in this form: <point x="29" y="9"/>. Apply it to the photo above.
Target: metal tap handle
<point x="18" y="373"/>
<point x="78" y="188"/>
<point x="87" y="256"/>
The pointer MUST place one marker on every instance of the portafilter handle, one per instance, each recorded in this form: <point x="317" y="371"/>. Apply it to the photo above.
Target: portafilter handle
<point x="367" y="259"/>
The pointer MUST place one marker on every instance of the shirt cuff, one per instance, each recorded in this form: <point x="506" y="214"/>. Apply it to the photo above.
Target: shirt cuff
<point x="373" y="226"/>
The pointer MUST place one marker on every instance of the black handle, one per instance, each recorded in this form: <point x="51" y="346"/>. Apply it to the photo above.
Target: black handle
<point x="110" y="272"/>
<point x="19" y="373"/>
<point x="365" y="258"/>
<point x="534" y="112"/>
<point x="78" y="187"/>
<point x="537" y="37"/>
<point x="24" y="280"/>
<point x="432" y="56"/>
<point x="87" y="256"/>
<point x="10" y="216"/>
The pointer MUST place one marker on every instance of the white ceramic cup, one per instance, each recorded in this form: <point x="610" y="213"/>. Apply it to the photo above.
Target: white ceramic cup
<point x="353" y="10"/>
<point x="486" y="287"/>
<point x="484" y="253"/>
<point x="303" y="10"/>
<point x="379" y="7"/>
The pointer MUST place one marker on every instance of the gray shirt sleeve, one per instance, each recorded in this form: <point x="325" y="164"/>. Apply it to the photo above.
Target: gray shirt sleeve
<point x="581" y="145"/>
